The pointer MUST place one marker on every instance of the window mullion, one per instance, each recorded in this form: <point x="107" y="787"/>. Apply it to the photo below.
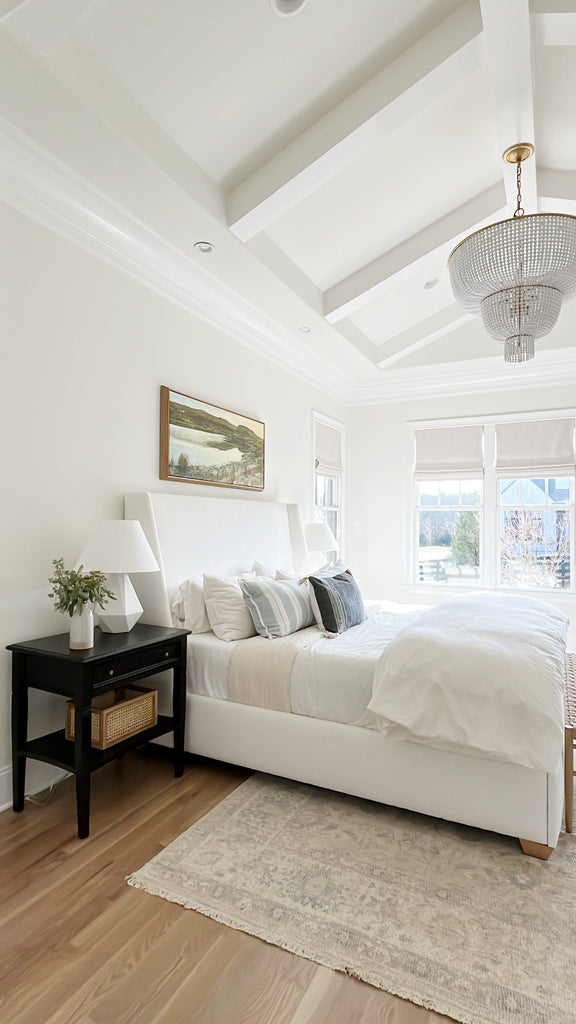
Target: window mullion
<point x="491" y="512"/>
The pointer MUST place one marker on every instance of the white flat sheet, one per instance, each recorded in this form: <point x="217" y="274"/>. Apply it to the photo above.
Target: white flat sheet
<point x="208" y="665"/>
<point x="331" y="679"/>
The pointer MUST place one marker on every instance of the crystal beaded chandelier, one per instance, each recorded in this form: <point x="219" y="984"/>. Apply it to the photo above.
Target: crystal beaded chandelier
<point x="517" y="273"/>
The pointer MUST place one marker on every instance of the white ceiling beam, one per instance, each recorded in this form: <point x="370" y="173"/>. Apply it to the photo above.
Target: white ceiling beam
<point x="508" y="47"/>
<point x="8" y="6"/>
<point x="403" y="88"/>
<point x="276" y="260"/>
<point x="421" y="335"/>
<point x="369" y="283"/>
<point x="44" y="22"/>
<point x="554" y="28"/>
<point x="355" y="337"/>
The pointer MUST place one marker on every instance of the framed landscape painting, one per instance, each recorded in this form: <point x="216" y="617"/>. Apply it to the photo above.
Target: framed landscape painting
<point x="203" y="444"/>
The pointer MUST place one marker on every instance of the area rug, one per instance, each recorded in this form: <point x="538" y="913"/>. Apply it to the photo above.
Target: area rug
<point x="452" y="918"/>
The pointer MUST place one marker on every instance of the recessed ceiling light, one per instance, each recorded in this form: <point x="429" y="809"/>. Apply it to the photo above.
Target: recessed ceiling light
<point x="431" y="283"/>
<point x="304" y="330"/>
<point x="203" y="246"/>
<point x="287" y="8"/>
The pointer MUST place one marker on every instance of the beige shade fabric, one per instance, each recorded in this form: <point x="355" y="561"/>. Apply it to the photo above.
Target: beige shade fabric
<point x="449" y="453"/>
<point x="327" y="448"/>
<point x="535" y="448"/>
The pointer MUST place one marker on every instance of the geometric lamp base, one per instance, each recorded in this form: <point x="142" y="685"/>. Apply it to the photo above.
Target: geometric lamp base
<point x="120" y="615"/>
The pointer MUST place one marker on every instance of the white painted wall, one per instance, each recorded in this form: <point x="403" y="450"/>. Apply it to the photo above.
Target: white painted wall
<point x="84" y="352"/>
<point x="378" y="512"/>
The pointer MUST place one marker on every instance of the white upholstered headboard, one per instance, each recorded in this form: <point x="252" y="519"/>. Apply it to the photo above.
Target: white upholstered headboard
<point x="191" y="535"/>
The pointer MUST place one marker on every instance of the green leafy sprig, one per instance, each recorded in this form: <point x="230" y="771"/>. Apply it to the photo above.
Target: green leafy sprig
<point x="74" y="589"/>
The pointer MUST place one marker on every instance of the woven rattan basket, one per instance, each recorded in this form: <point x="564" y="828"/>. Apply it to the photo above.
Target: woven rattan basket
<point x="117" y="715"/>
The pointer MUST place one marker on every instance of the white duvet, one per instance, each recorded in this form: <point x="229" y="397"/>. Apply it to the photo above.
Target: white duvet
<point x="480" y="671"/>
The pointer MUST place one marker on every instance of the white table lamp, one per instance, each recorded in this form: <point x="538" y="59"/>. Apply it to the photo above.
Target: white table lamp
<point x="118" y="547"/>
<point x="319" y="537"/>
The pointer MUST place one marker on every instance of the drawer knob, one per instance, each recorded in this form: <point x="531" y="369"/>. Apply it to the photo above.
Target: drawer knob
<point x="110" y="671"/>
<point x="167" y="654"/>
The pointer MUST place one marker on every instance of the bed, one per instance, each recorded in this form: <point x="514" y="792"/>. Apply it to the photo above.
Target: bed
<point x="193" y="535"/>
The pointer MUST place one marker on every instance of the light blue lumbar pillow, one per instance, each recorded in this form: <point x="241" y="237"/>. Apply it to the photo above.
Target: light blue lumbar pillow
<point x="277" y="607"/>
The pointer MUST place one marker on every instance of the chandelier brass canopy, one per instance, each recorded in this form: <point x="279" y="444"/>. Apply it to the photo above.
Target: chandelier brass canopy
<point x="517" y="273"/>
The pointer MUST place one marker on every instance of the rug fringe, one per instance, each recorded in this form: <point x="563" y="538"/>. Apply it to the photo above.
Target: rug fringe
<point x="438" y="1007"/>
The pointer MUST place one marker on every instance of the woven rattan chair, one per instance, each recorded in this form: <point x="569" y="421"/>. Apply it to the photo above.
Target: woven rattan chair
<point x="570" y="738"/>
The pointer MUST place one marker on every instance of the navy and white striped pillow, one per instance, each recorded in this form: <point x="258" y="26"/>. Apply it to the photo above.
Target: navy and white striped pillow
<point x="339" y="601"/>
<point x="277" y="607"/>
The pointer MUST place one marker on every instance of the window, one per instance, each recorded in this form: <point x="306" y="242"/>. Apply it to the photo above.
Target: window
<point x="328" y="474"/>
<point x="449" y="531"/>
<point x="535" y="529"/>
<point x="494" y="504"/>
<point x="449" y="499"/>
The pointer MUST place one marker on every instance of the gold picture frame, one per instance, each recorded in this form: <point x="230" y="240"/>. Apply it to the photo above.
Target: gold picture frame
<point x="201" y="443"/>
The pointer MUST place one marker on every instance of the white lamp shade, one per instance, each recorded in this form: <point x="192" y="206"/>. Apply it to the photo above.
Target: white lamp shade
<point x="119" y="545"/>
<point x="319" y="537"/>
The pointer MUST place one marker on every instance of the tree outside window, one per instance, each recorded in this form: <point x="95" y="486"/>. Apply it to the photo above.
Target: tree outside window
<point x="535" y="538"/>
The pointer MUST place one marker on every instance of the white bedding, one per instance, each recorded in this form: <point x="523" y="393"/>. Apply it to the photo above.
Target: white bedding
<point x="482" y="672"/>
<point x="331" y="679"/>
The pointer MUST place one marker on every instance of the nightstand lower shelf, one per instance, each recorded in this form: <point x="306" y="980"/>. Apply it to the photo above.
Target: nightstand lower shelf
<point x="55" y="749"/>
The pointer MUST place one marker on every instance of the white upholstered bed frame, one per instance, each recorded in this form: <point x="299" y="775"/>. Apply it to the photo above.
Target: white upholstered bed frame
<point x="191" y="535"/>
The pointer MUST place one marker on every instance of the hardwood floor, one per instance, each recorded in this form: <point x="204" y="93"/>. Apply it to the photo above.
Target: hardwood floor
<point x="80" y="946"/>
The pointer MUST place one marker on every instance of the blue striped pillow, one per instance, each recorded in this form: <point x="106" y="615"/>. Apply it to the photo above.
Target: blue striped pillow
<point x="277" y="607"/>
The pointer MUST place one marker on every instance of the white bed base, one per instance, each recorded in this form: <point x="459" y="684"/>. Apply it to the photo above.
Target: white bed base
<point x="191" y="535"/>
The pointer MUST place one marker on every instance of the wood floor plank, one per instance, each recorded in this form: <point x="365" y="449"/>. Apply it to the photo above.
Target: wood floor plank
<point x="80" y="946"/>
<point x="266" y="982"/>
<point x="149" y="970"/>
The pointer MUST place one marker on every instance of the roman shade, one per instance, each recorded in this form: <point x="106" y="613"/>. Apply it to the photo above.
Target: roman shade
<point x="327" y="449"/>
<point x="449" y="453"/>
<point x="535" y="448"/>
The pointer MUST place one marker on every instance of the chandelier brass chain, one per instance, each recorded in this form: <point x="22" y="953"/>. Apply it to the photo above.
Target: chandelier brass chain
<point x="519" y="211"/>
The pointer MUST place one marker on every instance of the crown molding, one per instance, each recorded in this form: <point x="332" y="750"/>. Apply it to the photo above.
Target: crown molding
<point x="478" y="377"/>
<point x="49" y="191"/>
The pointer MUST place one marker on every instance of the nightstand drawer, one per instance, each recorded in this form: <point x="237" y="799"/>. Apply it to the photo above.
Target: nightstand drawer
<point x="137" y="661"/>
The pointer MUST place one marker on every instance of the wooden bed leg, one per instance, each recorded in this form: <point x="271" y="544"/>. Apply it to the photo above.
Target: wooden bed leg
<point x="536" y="849"/>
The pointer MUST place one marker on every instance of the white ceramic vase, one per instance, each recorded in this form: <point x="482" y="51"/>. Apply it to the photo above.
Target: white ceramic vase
<point x="82" y="630"/>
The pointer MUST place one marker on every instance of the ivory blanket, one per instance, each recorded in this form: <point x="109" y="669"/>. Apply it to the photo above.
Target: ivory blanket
<point x="482" y="672"/>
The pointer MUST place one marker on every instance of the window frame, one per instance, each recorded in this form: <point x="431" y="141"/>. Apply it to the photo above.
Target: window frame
<point x="477" y="583"/>
<point x="318" y="510"/>
<point x="490" y="508"/>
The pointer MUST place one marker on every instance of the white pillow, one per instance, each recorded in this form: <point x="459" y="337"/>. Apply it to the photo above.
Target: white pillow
<point x="226" y="608"/>
<point x="268" y="572"/>
<point x="188" y="607"/>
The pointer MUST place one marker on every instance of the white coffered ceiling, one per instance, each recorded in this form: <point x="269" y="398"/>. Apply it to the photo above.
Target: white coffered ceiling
<point x="332" y="158"/>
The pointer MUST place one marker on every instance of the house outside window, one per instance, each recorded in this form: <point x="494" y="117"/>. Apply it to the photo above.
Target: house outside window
<point x="535" y="531"/>
<point x="495" y="503"/>
<point x="328" y="474"/>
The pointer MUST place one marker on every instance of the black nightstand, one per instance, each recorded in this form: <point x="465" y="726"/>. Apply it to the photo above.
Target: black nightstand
<point x="115" y="660"/>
